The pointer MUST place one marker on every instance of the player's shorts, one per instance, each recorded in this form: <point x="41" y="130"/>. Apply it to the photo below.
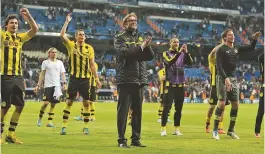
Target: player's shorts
<point x="12" y="91"/>
<point x="222" y="94"/>
<point x="213" y="96"/>
<point x="93" y="94"/>
<point x="161" y="98"/>
<point x="48" y="95"/>
<point x="80" y="85"/>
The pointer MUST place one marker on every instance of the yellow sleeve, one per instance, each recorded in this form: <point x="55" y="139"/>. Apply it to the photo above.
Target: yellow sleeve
<point x="2" y="35"/>
<point x="91" y="52"/>
<point x="211" y="67"/>
<point x="69" y="45"/>
<point x="161" y="73"/>
<point x="166" y="58"/>
<point x="24" y="37"/>
<point x="211" y="58"/>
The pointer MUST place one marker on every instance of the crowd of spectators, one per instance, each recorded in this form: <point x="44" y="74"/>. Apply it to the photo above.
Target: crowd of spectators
<point x="240" y="5"/>
<point x="195" y="87"/>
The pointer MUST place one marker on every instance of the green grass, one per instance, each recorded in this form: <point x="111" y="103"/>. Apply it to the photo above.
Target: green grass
<point x="103" y="138"/>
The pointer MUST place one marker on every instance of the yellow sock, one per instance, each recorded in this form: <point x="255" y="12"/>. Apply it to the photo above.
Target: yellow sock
<point x="11" y="133"/>
<point x="81" y="113"/>
<point x="66" y="114"/>
<point x="51" y="114"/>
<point x="160" y="110"/>
<point x="13" y="123"/>
<point x="176" y="127"/>
<point x="86" y="116"/>
<point x="163" y="128"/>
<point x="221" y="125"/>
<point x="92" y="109"/>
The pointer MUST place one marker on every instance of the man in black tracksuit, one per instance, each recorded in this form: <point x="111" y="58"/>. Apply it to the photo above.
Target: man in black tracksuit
<point x="131" y="77"/>
<point x="260" y="112"/>
<point x="226" y="81"/>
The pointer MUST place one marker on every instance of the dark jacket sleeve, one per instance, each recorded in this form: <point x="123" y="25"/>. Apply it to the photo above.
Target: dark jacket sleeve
<point x="219" y="61"/>
<point x="147" y="54"/>
<point x="127" y="51"/>
<point x="247" y="48"/>
<point x="169" y="61"/>
<point x="131" y="51"/>
<point x="187" y="59"/>
<point x="261" y="66"/>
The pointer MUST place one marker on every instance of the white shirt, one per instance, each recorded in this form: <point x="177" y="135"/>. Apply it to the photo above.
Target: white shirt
<point x="53" y="72"/>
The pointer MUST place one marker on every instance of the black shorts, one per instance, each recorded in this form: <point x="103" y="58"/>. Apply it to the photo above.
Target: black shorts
<point x="213" y="96"/>
<point x="12" y="91"/>
<point x="80" y="85"/>
<point x="48" y="95"/>
<point x="93" y="94"/>
<point x="161" y="98"/>
<point x="222" y="94"/>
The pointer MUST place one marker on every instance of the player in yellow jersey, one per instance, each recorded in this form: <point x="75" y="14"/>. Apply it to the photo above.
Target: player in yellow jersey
<point x="162" y="78"/>
<point x="213" y="94"/>
<point x="12" y="82"/>
<point x="93" y="95"/>
<point x="81" y="64"/>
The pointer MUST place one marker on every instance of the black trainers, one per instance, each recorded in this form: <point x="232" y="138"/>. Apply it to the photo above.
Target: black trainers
<point x="137" y="144"/>
<point x="123" y="145"/>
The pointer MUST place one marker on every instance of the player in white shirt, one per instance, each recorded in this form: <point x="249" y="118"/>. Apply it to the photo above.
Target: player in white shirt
<point x="52" y="70"/>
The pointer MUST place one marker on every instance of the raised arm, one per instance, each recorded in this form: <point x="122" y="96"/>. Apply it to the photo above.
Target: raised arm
<point x="252" y="45"/>
<point x="28" y="18"/>
<point x="63" y="31"/>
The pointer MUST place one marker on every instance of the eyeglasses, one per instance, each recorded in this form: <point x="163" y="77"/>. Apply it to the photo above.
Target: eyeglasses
<point x="132" y="20"/>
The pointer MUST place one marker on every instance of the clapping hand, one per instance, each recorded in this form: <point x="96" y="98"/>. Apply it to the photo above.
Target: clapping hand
<point x="257" y="35"/>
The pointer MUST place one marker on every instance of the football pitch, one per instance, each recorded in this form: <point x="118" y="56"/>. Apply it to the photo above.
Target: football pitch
<point x="103" y="133"/>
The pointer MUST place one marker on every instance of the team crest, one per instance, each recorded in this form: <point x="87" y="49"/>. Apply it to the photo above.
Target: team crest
<point x="6" y="43"/>
<point x="220" y="96"/>
<point x="261" y="94"/>
<point x="140" y="39"/>
<point x="44" y="97"/>
<point x="74" y="51"/>
<point x="236" y="51"/>
<point x="211" y="100"/>
<point x="3" y="104"/>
